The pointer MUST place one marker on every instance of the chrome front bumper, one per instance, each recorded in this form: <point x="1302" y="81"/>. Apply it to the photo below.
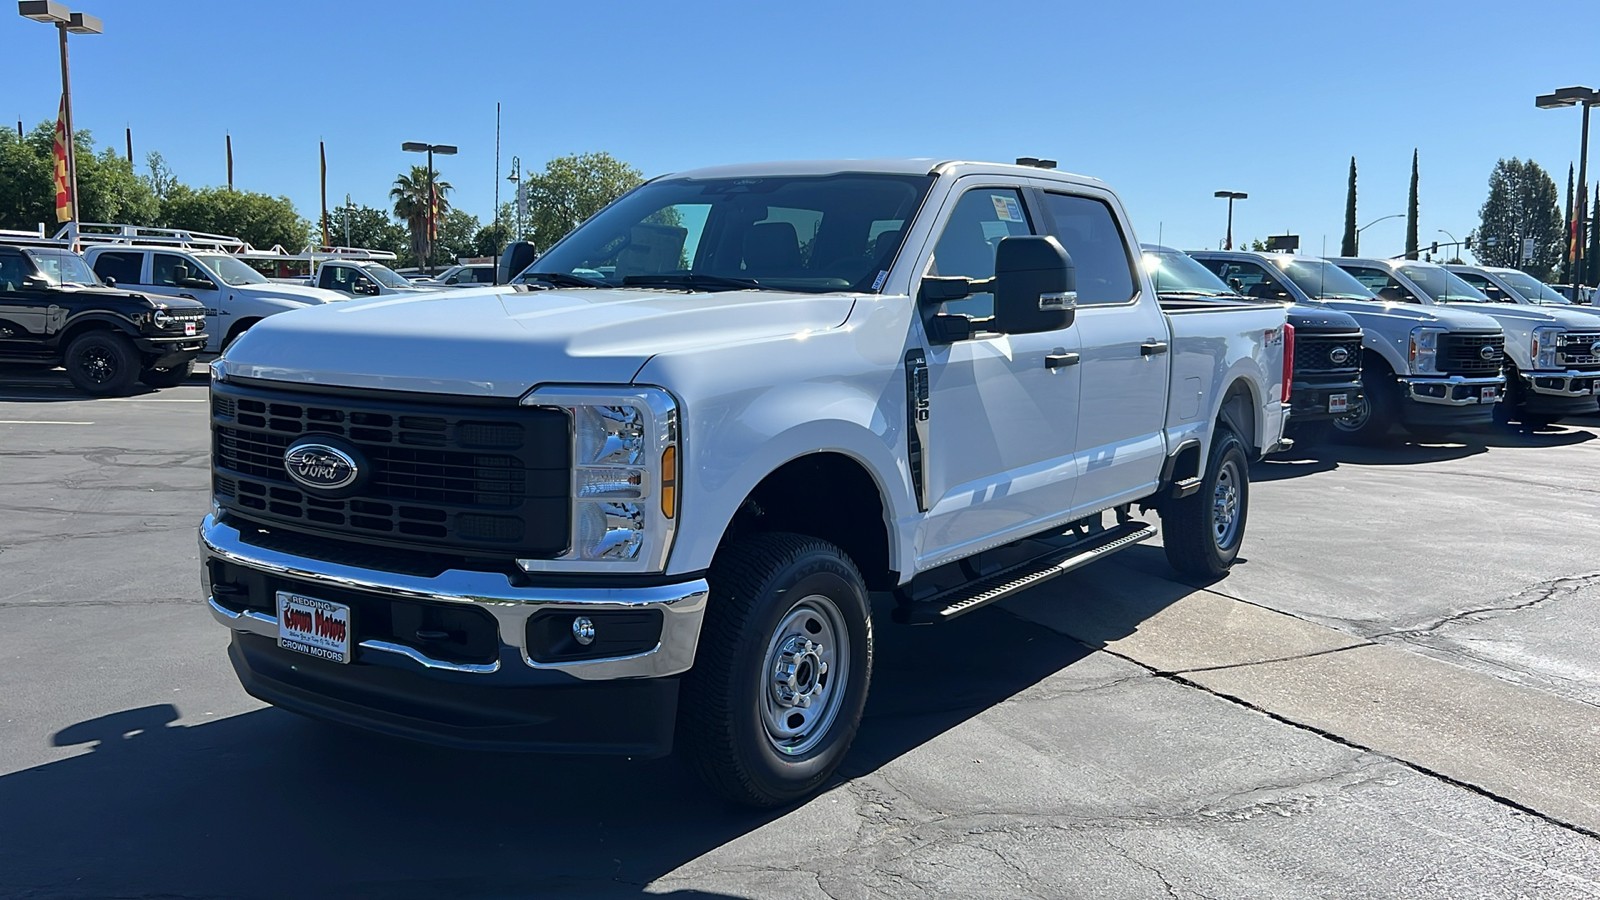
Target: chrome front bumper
<point x="1450" y="390"/>
<point x="1567" y="383"/>
<point x="682" y="607"/>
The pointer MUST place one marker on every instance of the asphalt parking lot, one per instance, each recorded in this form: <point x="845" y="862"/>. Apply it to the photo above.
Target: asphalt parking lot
<point x="1394" y="695"/>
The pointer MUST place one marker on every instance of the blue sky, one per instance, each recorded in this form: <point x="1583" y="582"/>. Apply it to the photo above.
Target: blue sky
<point x="1166" y="101"/>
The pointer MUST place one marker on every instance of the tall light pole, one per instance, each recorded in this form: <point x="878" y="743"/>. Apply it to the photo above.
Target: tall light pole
<point x="65" y="20"/>
<point x="1586" y="98"/>
<point x="516" y="178"/>
<point x="430" y="149"/>
<point x="1232" y="196"/>
<point x="1372" y="223"/>
<point x="349" y="207"/>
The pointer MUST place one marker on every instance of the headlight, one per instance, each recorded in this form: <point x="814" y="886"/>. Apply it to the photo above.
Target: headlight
<point x="1542" y="347"/>
<point x="161" y="318"/>
<point x="624" y="478"/>
<point x="1424" y="354"/>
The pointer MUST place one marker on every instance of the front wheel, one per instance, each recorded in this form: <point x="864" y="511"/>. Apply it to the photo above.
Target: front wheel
<point x="102" y="362"/>
<point x="1373" y="422"/>
<point x="1202" y="532"/>
<point x="780" y="679"/>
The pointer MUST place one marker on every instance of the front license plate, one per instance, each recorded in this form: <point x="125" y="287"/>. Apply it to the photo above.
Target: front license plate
<point x="1488" y="395"/>
<point x="319" y="628"/>
<point x="188" y="329"/>
<point x="1338" y="403"/>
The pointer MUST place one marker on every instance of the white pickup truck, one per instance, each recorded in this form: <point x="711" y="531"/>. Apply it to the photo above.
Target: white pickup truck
<point x="235" y="296"/>
<point x="1552" y="355"/>
<point x="357" y="277"/>
<point x="592" y="515"/>
<point x="1428" y="369"/>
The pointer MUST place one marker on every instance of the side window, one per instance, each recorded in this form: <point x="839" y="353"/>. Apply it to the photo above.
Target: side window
<point x="1373" y="280"/>
<point x="483" y="276"/>
<point x="169" y="270"/>
<point x="124" y="267"/>
<point x="13" y="270"/>
<point x="981" y="218"/>
<point x="1489" y="288"/>
<point x="1088" y="230"/>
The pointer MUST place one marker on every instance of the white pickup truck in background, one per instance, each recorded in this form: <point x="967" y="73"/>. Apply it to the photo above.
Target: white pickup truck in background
<point x="604" y="515"/>
<point x="357" y="278"/>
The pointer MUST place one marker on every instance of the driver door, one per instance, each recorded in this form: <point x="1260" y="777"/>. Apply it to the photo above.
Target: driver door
<point x="1002" y="412"/>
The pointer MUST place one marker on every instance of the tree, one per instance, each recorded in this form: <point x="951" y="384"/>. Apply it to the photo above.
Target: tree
<point x="161" y="180"/>
<point x="1522" y="204"/>
<point x="1411" y="211"/>
<point x="491" y="239"/>
<point x="108" y="190"/>
<point x="410" y="196"/>
<point x="1347" y="245"/>
<point x="457" y="233"/>
<point x="262" y="220"/>
<point x="372" y="229"/>
<point x="570" y="190"/>
<point x="27" y="198"/>
<point x="1572" y="228"/>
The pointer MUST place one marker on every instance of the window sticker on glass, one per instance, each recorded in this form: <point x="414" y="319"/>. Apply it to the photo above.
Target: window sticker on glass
<point x="1006" y="209"/>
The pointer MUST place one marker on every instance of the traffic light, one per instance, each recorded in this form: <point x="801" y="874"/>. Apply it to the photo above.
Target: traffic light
<point x="1434" y="248"/>
<point x="1468" y="242"/>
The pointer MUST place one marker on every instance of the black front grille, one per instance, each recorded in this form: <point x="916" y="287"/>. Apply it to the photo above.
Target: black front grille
<point x="1316" y="353"/>
<point x="456" y="478"/>
<point x="1576" y="351"/>
<point x="1462" y="354"/>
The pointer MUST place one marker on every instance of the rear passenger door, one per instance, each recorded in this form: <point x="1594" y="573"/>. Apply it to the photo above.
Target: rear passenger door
<point x="22" y="306"/>
<point x="1125" y="356"/>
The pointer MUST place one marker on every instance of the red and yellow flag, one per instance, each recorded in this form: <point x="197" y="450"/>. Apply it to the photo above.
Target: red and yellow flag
<point x="64" y="212"/>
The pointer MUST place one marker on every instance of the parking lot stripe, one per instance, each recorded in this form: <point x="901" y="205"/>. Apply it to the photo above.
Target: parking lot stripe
<point x="39" y="422"/>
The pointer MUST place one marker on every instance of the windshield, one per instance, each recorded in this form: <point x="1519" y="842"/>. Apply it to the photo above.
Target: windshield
<point x="798" y="233"/>
<point x="385" y="275"/>
<point x="1532" y="288"/>
<point x="1443" y="286"/>
<point x="230" y="270"/>
<point x="63" y="267"/>
<point x="1180" y="273"/>
<point x="1323" y="280"/>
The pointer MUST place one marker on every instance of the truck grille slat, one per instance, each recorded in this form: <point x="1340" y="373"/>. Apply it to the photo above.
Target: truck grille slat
<point x="1315" y="353"/>
<point x="1462" y="354"/>
<point x="466" y="479"/>
<point x="1577" y="351"/>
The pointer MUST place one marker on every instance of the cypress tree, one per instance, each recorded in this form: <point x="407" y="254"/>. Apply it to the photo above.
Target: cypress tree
<point x="1571" y="234"/>
<point x="1347" y="246"/>
<point x="1592" y="259"/>
<point x="1411" y="211"/>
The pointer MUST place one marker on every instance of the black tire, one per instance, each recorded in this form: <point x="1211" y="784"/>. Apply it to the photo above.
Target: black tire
<point x="165" y="378"/>
<point x="1375" y="422"/>
<point x="102" y="363"/>
<point x="731" y="708"/>
<point x="1198" y="540"/>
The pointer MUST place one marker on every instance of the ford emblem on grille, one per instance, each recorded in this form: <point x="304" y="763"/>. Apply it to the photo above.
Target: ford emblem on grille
<point x="320" y="466"/>
<point x="1489" y="351"/>
<point x="1339" y="356"/>
<point x="1594" y="349"/>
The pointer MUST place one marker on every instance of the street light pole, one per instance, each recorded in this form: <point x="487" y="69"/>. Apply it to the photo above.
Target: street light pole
<point x="1587" y="98"/>
<point x="1231" y="196"/>
<point x="430" y="149"/>
<point x="1370" y="224"/>
<point x="53" y="13"/>
<point x="516" y="178"/>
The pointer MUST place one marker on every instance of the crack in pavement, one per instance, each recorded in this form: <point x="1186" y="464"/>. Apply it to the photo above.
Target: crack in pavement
<point x="69" y="604"/>
<point x="1528" y="598"/>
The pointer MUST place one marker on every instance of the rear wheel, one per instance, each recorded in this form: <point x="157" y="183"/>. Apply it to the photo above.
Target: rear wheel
<point x="780" y="679"/>
<point x="1202" y="532"/>
<point x="102" y="362"/>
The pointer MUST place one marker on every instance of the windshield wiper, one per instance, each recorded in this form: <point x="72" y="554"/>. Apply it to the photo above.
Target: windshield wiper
<point x="561" y="279"/>
<point x="694" y="280"/>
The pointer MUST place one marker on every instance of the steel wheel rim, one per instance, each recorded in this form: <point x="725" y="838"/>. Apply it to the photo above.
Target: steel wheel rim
<point x="1355" y="421"/>
<point x="1225" y="505"/>
<point x="98" y="365"/>
<point x="804" y="675"/>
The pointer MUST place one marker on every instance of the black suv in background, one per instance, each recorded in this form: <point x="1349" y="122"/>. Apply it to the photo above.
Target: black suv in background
<point x="1327" y="343"/>
<point x="54" y="311"/>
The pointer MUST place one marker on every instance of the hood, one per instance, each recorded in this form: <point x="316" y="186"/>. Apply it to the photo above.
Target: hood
<point x="1528" y="317"/>
<point x="1315" y="320"/>
<point x="133" y="296"/>
<point x="1414" y="314"/>
<point x="501" y="341"/>
<point x="300" y="292"/>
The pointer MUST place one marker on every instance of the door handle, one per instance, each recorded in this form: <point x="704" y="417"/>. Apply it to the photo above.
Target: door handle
<point x="1060" y="360"/>
<point x="1153" y="348"/>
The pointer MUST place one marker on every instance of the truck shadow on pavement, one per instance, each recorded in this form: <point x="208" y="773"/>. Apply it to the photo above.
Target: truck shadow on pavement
<point x="269" y="804"/>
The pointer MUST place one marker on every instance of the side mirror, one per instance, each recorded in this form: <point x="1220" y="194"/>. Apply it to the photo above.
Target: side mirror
<point x="199" y="284"/>
<point x="518" y="255"/>
<point x="936" y="290"/>
<point x="1391" y="294"/>
<point x="36" y="283"/>
<point x="1035" y="286"/>
<point x="108" y="281"/>
<point x="364" y="287"/>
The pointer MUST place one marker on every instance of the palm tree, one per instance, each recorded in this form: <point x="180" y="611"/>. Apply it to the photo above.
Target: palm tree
<point x="410" y="196"/>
